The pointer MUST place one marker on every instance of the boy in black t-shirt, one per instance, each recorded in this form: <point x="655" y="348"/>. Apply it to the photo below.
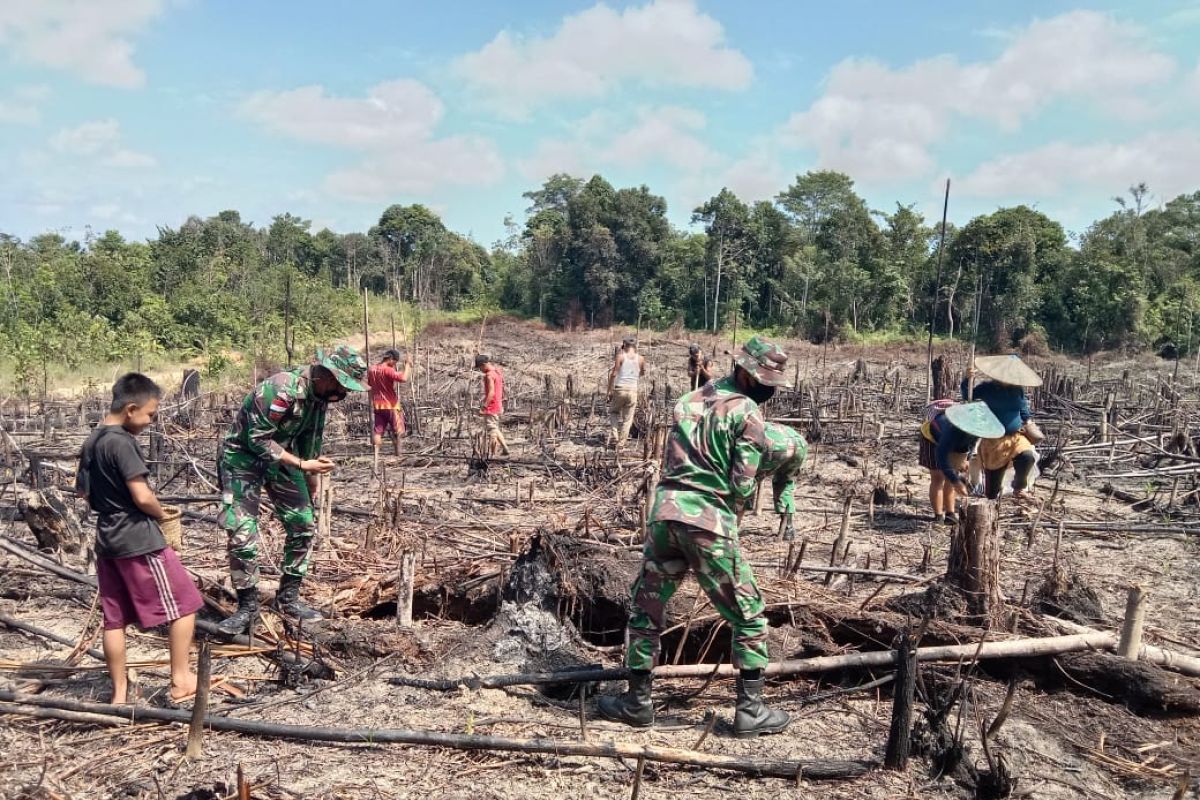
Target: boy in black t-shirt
<point x="141" y="579"/>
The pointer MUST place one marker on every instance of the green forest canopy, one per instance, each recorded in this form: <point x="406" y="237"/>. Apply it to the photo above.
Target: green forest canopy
<point x="815" y="261"/>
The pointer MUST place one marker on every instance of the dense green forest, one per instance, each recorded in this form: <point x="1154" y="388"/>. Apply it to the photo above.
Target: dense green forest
<point x="817" y="261"/>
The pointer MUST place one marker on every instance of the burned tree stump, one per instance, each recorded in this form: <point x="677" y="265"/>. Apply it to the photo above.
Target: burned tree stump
<point x="974" y="562"/>
<point x="53" y="522"/>
<point x="899" y="742"/>
<point x="943" y="381"/>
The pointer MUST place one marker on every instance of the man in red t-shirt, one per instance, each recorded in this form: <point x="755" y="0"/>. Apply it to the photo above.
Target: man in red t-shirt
<point x="492" y="406"/>
<point x="382" y="379"/>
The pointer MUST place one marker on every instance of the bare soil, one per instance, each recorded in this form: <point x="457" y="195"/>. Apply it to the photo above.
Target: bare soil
<point x="473" y="518"/>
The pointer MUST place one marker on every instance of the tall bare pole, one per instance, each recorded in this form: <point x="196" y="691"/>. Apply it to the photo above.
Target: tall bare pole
<point x="937" y="288"/>
<point x="367" y="356"/>
<point x="975" y="332"/>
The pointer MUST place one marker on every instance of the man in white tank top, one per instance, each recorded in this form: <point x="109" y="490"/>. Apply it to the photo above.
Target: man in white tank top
<point x="627" y="367"/>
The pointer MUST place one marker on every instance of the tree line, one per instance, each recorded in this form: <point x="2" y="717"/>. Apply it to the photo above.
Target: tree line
<point x="816" y="261"/>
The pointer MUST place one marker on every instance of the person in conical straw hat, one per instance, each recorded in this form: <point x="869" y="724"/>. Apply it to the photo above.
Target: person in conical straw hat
<point x="717" y="449"/>
<point x="949" y="432"/>
<point x="1005" y="396"/>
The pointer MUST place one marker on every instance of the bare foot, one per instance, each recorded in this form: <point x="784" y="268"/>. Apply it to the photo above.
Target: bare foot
<point x="183" y="688"/>
<point x="119" y="699"/>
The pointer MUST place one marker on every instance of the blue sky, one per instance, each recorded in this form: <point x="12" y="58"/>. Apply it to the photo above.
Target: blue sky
<point x="133" y="114"/>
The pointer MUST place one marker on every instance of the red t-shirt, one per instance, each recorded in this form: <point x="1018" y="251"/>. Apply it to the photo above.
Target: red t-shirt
<point x="383" y="379"/>
<point x="496" y="377"/>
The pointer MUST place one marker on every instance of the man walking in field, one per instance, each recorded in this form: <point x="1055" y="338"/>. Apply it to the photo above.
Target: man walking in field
<point x="275" y="444"/>
<point x="628" y="366"/>
<point x="714" y="456"/>
<point x="492" y="406"/>
<point x="385" y="405"/>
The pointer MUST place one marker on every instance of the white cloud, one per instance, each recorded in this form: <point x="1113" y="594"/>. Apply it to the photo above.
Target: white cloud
<point x="394" y="111"/>
<point x="662" y="135"/>
<point x="657" y="136"/>
<point x="553" y="156"/>
<point x="88" y="38"/>
<point x="1168" y="161"/>
<point x="23" y="105"/>
<point x="663" y="43"/>
<point x="88" y="139"/>
<point x="879" y="123"/>
<point x="394" y="124"/>
<point x="100" y="142"/>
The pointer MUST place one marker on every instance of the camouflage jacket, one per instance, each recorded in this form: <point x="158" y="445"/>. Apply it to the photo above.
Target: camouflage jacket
<point x="712" y="458"/>
<point x="785" y="455"/>
<point x="280" y="415"/>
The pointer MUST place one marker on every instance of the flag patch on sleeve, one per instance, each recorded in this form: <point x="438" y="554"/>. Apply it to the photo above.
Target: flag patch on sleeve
<point x="279" y="407"/>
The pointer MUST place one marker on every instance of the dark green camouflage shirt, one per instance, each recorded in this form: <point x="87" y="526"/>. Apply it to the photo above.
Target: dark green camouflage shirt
<point x="782" y="462"/>
<point x="280" y="415"/>
<point x="712" y="458"/>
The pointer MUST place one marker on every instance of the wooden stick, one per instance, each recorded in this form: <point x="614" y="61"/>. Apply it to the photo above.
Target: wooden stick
<point x="195" y="739"/>
<point x="778" y="768"/>
<point x="1131" y="628"/>
<point x="637" y="778"/>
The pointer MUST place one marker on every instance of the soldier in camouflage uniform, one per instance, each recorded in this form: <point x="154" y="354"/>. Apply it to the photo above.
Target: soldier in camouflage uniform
<point x="275" y="444"/>
<point x="719" y="447"/>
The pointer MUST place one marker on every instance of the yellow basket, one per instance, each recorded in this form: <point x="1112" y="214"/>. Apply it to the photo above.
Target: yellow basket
<point x="172" y="526"/>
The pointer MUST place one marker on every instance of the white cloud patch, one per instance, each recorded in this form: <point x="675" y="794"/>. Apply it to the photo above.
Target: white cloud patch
<point x="99" y="142"/>
<point x="666" y="136"/>
<point x="394" y="124"/>
<point x="23" y="105"/>
<point x="663" y="136"/>
<point x="663" y="43"/>
<point x="879" y="123"/>
<point x="88" y="38"/>
<point x="1168" y="161"/>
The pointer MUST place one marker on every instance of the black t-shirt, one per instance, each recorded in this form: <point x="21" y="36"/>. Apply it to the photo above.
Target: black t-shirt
<point x="111" y="457"/>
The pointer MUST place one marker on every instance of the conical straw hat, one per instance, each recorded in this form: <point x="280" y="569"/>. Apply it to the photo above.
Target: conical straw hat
<point x="1008" y="369"/>
<point x="976" y="419"/>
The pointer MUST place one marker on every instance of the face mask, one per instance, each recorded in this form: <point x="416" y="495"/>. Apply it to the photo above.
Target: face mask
<point x="760" y="393"/>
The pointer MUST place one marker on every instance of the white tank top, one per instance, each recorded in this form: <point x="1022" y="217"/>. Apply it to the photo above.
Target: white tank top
<point x="627" y="375"/>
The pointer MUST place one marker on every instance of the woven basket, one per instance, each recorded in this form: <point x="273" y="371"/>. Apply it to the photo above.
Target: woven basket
<point x="172" y="526"/>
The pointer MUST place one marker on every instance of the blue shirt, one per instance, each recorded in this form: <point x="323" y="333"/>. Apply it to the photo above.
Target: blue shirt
<point x="1008" y="403"/>
<point x="949" y="440"/>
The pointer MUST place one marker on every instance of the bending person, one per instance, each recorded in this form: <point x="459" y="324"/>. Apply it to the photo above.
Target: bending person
<point x="275" y="444"/>
<point x="946" y="442"/>
<point x="1005" y="397"/>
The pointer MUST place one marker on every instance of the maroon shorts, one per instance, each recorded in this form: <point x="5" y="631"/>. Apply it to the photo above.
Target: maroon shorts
<point x="145" y="590"/>
<point x="389" y="420"/>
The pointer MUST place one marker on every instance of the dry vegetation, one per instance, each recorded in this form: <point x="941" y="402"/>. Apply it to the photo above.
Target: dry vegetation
<point x="523" y="565"/>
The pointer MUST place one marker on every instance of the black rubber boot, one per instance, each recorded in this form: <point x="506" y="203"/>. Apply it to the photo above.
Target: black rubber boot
<point x="634" y="707"/>
<point x="240" y="620"/>
<point x="288" y="602"/>
<point x="751" y="716"/>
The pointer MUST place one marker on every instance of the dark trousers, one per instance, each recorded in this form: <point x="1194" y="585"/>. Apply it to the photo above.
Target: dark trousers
<point x="1022" y="466"/>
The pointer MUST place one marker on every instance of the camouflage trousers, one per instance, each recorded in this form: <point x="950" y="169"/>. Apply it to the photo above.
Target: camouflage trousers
<point x="243" y="478"/>
<point x="672" y="548"/>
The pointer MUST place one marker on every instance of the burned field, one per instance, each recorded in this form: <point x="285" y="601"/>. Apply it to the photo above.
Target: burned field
<point x="995" y="659"/>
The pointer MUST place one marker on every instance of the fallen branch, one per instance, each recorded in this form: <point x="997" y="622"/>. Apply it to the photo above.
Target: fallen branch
<point x="778" y="768"/>
<point x="1012" y="648"/>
